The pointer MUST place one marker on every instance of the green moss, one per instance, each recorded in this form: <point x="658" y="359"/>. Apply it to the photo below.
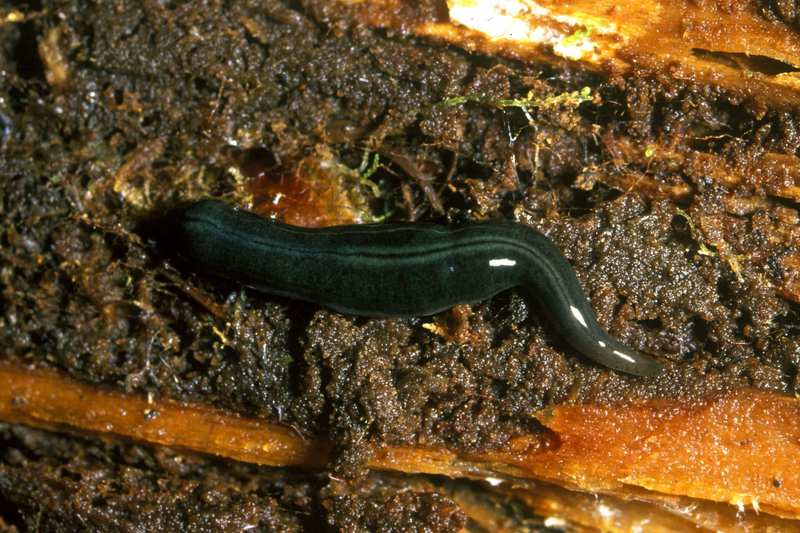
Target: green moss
<point x="530" y="102"/>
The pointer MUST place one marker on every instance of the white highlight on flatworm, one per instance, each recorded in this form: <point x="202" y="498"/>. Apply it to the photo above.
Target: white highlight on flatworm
<point x="624" y="356"/>
<point x="578" y="316"/>
<point x="504" y="262"/>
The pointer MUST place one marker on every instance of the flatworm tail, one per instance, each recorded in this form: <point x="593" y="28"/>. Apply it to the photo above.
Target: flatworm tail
<point x="552" y="282"/>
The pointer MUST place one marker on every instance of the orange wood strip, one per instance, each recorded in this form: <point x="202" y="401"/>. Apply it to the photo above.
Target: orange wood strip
<point x="740" y="448"/>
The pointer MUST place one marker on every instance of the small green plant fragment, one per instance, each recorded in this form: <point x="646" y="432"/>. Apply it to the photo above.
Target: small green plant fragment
<point x="366" y="170"/>
<point x="702" y="249"/>
<point x="575" y="37"/>
<point x="376" y="219"/>
<point x="530" y="102"/>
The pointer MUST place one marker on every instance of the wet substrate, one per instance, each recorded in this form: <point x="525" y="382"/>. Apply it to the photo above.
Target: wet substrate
<point x="102" y="137"/>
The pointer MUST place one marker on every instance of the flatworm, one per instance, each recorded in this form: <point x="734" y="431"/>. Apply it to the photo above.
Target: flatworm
<point x="399" y="269"/>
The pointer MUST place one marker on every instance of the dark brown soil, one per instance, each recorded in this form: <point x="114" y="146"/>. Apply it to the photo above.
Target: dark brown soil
<point x="785" y="11"/>
<point x="114" y="112"/>
<point x="58" y="483"/>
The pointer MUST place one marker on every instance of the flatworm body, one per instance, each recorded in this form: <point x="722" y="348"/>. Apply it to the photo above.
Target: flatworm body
<point x="399" y="269"/>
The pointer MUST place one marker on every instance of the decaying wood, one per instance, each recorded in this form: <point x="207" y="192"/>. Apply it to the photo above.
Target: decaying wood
<point x="738" y="448"/>
<point x="731" y="47"/>
<point x="603" y="512"/>
<point x="741" y="447"/>
<point x="727" y="44"/>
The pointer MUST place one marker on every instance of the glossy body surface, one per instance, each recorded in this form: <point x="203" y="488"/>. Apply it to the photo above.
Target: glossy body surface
<point x="399" y="269"/>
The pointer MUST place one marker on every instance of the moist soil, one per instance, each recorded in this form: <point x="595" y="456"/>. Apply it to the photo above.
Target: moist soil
<point x="61" y="483"/>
